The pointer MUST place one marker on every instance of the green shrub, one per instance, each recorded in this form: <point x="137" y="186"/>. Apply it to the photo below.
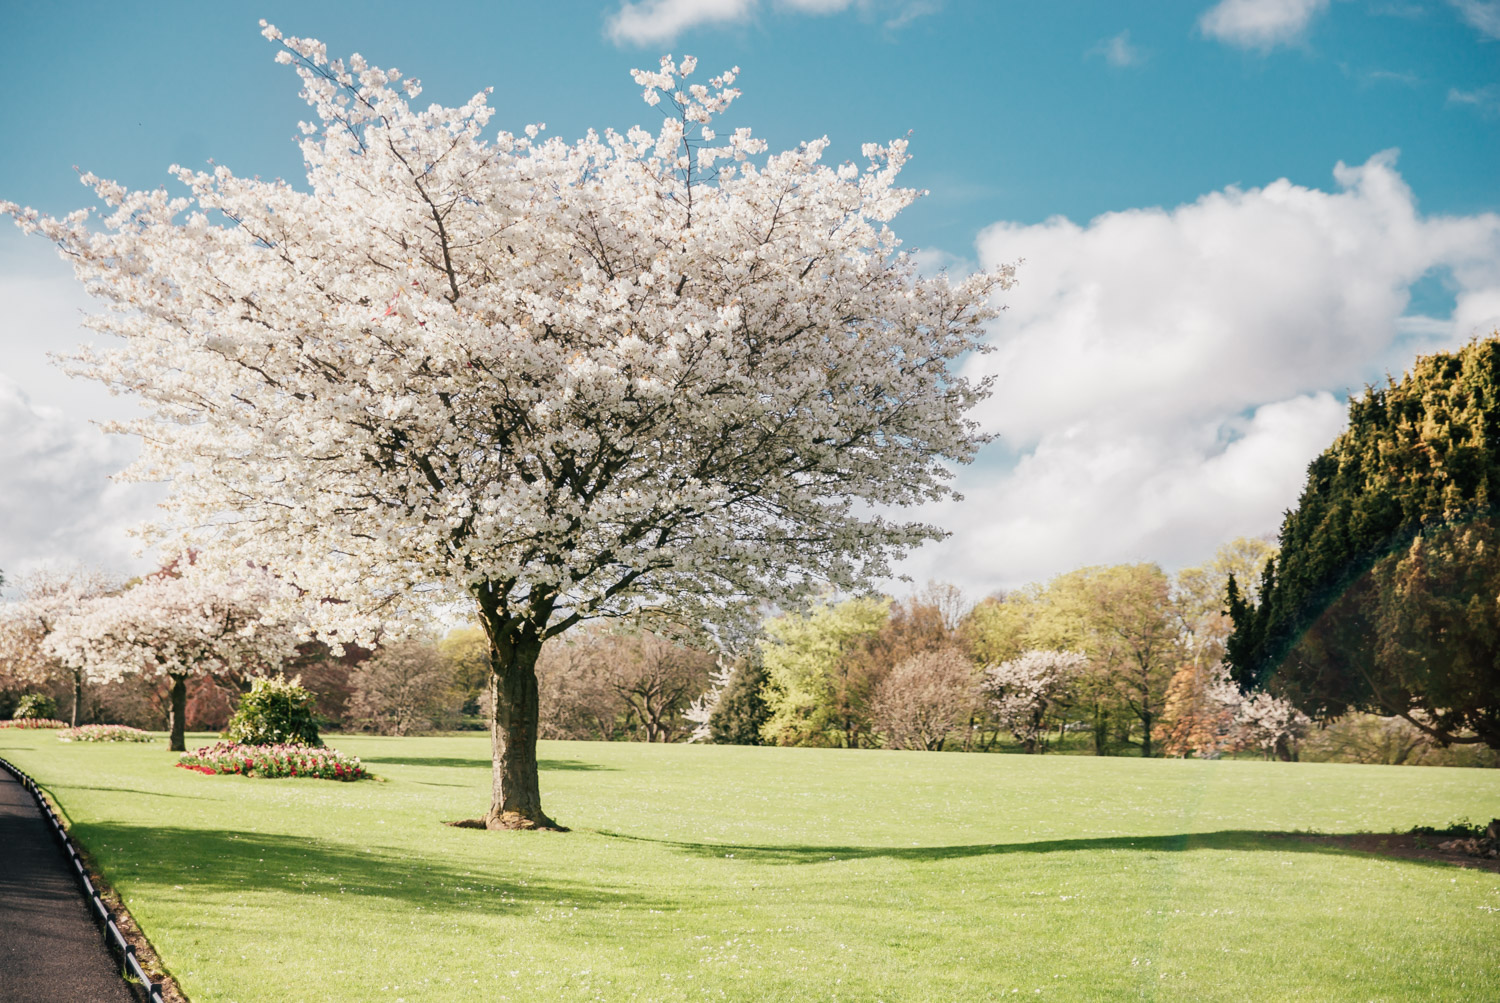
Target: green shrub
<point x="276" y="711"/>
<point x="35" y="705"/>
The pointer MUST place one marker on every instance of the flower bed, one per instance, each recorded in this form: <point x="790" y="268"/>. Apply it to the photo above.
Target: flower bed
<point x="33" y="722"/>
<point x="105" y="733"/>
<point x="274" y="761"/>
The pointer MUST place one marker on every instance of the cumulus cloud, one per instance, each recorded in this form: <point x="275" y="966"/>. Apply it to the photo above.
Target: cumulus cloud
<point x="58" y="505"/>
<point x="653" y="22"/>
<point x="1119" y="51"/>
<point x="1259" y="24"/>
<point x="1163" y="377"/>
<point x="650" y="21"/>
<point x="57" y="502"/>
<point x="1482" y="15"/>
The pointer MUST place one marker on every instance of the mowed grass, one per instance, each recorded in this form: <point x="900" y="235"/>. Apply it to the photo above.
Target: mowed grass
<point x="786" y="874"/>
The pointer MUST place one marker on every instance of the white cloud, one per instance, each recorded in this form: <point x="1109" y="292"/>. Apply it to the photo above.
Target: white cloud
<point x="1482" y="15"/>
<point x="649" y="21"/>
<point x="1259" y="24"/>
<point x="1485" y="99"/>
<point x="57" y="502"/>
<point x="1119" y="51"/>
<point x="1163" y="377"/>
<point x="653" y="22"/>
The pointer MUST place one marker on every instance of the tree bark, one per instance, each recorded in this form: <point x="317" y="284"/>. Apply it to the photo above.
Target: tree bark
<point x="515" y="797"/>
<point x="77" y="695"/>
<point x="179" y="713"/>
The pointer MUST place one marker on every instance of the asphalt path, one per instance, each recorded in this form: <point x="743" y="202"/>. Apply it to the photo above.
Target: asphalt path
<point x="50" y="947"/>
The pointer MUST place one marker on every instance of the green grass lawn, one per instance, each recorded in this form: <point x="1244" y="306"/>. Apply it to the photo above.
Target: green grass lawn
<point x="786" y="874"/>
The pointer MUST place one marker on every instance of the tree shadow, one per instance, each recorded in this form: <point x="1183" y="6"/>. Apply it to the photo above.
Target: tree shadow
<point x="463" y="762"/>
<point x="1341" y="844"/>
<point x="49" y="788"/>
<point x="226" y="860"/>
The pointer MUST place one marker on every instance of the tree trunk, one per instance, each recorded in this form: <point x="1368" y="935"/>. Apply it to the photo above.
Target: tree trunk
<point x="179" y="713"/>
<point x="1146" y="736"/>
<point x="516" y="797"/>
<point x="77" y="695"/>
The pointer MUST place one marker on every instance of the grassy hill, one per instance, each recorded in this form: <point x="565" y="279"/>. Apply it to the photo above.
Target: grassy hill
<point x="709" y="873"/>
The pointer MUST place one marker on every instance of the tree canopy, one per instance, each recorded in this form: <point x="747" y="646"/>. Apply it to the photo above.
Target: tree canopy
<point x="647" y="370"/>
<point x="1383" y="595"/>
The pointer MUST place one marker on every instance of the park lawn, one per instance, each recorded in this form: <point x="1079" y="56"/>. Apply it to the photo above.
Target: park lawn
<point x="786" y="874"/>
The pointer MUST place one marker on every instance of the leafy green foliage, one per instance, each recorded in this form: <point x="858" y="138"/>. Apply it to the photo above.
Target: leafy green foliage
<point x="1382" y="597"/>
<point x="276" y="711"/>
<point x="819" y="685"/>
<point x="35" y="705"/>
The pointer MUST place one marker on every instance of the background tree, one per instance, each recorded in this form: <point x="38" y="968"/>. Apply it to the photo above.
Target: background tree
<point x="406" y="688"/>
<point x="1029" y="692"/>
<point x="1270" y="724"/>
<point x="741" y="711"/>
<point x="819" y="682"/>
<point x="467" y="653"/>
<point x="1195" y="718"/>
<point x="1122" y="618"/>
<point x="579" y="702"/>
<point x="656" y="679"/>
<point x="923" y="699"/>
<point x="47" y="597"/>
<point x="644" y="371"/>
<point x="1381" y="596"/>
<point x="175" y="626"/>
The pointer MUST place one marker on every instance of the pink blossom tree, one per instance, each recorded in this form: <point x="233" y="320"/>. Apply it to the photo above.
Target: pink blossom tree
<point x="645" y="372"/>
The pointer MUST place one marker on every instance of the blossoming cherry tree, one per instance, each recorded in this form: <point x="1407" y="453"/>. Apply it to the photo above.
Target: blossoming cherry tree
<point x="645" y="372"/>
<point x="176" y="626"/>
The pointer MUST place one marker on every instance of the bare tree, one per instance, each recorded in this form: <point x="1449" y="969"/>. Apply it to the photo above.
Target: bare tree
<point x="656" y="679"/>
<point x="578" y="701"/>
<point x="924" y="698"/>
<point x="407" y="687"/>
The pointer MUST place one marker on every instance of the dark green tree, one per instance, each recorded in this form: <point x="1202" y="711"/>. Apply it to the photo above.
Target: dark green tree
<point x="742" y="707"/>
<point x="1383" y="596"/>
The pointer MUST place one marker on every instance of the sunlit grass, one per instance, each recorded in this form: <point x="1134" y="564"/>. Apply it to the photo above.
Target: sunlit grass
<point x="786" y="874"/>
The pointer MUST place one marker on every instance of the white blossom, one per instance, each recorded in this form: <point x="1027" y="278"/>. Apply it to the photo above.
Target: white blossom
<point x="636" y="372"/>
<point x="1024" y="690"/>
<point x="175" y="625"/>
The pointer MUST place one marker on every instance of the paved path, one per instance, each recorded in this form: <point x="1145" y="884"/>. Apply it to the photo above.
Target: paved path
<point x="50" y="947"/>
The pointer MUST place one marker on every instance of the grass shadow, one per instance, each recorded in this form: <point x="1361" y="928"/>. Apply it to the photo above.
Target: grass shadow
<point x="466" y="762"/>
<point x="1229" y="839"/>
<point x="49" y="788"/>
<point x="226" y="860"/>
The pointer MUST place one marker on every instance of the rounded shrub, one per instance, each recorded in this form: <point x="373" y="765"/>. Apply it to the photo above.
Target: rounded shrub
<point x="276" y="711"/>
<point x="35" y="705"/>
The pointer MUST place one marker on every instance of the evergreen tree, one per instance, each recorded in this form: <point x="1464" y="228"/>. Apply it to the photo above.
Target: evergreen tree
<point x="742" y="708"/>
<point x="1382" y="597"/>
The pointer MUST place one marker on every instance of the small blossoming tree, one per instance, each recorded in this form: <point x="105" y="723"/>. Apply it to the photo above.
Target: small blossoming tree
<point x="1026" y="690"/>
<point x="642" y="372"/>
<point x="176" y="627"/>
<point x="47" y="597"/>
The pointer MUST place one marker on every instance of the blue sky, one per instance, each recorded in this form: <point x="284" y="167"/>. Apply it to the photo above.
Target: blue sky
<point x="1200" y="290"/>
